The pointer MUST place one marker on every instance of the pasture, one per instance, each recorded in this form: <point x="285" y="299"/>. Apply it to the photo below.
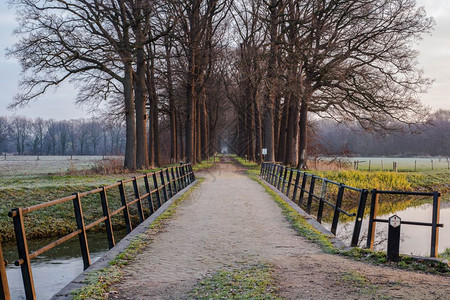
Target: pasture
<point x="403" y="164"/>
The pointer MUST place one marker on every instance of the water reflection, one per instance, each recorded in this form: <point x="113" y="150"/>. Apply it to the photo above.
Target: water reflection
<point x="415" y="240"/>
<point x="57" y="267"/>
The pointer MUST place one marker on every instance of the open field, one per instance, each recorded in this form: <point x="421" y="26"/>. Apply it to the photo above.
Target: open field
<point x="39" y="165"/>
<point x="404" y="164"/>
<point x="26" y="181"/>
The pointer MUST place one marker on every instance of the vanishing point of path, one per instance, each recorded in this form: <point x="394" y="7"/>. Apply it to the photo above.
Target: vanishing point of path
<point x="230" y="222"/>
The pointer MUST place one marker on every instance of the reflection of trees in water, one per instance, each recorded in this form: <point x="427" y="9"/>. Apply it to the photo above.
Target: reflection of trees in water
<point x="345" y="233"/>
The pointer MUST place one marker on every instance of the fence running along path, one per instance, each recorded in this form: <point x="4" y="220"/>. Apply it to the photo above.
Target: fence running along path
<point x="277" y="175"/>
<point x="165" y="184"/>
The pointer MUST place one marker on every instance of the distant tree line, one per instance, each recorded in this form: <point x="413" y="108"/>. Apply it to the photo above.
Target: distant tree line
<point x="245" y="74"/>
<point x="24" y="136"/>
<point x="430" y="139"/>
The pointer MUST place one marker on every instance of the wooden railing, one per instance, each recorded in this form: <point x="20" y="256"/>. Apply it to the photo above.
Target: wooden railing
<point x="284" y="179"/>
<point x="159" y="186"/>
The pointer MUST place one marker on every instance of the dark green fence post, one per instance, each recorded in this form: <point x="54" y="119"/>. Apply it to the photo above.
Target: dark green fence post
<point x="149" y="195"/>
<point x="338" y="205"/>
<point x="126" y="212"/>
<point x="82" y="236"/>
<point x="138" y="203"/>
<point x="108" y="223"/>
<point x="359" y="217"/>
<point x="311" y="193"/>
<point x="434" y="222"/>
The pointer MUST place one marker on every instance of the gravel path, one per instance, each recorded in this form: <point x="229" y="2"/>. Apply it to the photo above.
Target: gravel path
<point x="229" y="222"/>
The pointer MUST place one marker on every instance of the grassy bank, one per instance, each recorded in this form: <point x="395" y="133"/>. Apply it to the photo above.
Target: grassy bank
<point x="23" y="190"/>
<point x="374" y="257"/>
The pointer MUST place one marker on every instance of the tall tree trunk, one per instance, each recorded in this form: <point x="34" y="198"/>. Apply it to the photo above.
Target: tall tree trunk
<point x="130" y="146"/>
<point x="141" y="115"/>
<point x="173" y="125"/>
<point x="204" y="128"/>
<point x="282" y="133"/>
<point x="269" y="118"/>
<point x="258" y="134"/>
<point x="303" y="139"/>
<point x="292" y="131"/>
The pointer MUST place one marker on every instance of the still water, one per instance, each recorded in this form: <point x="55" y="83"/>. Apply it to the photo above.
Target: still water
<point x="415" y="240"/>
<point x="56" y="268"/>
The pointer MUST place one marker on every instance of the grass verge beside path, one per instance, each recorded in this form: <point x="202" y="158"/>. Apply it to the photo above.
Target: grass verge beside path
<point x="253" y="282"/>
<point x="374" y="257"/>
<point x="99" y="282"/>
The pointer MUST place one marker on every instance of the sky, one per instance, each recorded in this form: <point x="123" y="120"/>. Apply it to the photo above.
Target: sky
<point x="434" y="59"/>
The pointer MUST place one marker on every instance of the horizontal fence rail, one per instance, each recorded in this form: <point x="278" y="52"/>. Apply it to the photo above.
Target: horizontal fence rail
<point x="159" y="187"/>
<point x="293" y="183"/>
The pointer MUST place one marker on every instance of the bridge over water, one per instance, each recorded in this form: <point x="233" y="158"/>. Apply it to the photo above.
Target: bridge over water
<point x="229" y="222"/>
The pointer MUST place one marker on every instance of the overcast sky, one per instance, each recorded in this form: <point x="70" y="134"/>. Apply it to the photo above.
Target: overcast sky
<point x="434" y="60"/>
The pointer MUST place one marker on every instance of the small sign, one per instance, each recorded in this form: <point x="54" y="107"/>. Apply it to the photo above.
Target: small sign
<point x="394" y="221"/>
<point x="264" y="151"/>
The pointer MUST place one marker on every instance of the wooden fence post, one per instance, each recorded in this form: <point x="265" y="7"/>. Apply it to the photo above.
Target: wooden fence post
<point x="4" y="288"/>
<point x="138" y="203"/>
<point x="126" y="212"/>
<point x="108" y="223"/>
<point x="82" y="236"/>
<point x="372" y="216"/>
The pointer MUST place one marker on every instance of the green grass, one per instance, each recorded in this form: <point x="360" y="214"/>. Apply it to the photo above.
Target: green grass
<point x="99" y="282"/>
<point x="374" y="257"/>
<point x="55" y="221"/>
<point x="253" y="282"/>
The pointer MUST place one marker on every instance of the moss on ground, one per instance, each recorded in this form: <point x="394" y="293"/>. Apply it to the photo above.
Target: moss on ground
<point x="252" y="282"/>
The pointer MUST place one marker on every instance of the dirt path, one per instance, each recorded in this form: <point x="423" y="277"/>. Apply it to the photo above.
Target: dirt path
<point x="230" y="222"/>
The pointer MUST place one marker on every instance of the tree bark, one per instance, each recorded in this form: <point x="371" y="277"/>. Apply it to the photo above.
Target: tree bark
<point x="130" y="146"/>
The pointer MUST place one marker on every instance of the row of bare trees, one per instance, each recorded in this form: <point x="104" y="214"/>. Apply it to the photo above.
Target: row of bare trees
<point x="22" y="135"/>
<point x="346" y="60"/>
<point x="242" y="73"/>
<point x="432" y="139"/>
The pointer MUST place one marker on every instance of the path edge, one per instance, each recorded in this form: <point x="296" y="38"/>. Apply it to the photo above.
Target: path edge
<point x="309" y="219"/>
<point x="104" y="261"/>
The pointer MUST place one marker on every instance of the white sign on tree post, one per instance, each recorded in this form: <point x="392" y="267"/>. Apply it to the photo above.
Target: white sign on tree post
<point x="264" y="151"/>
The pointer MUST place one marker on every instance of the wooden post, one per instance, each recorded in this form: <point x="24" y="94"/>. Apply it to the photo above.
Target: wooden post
<point x="359" y="218"/>
<point x="323" y="194"/>
<point x="149" y="197"/>
<point x="302" y="189"/>
<point x="432" y="166"/>
<point x="24" y="256"/>
<point x="138" y="203"/>
<point x="4" y="288"/>
<point x="174" y="178"/>
<point x="289" y="182"/>
<point x="126" y="212"/>
<point x="297" y="178"/>
<point x="108" y="223"/>
<point x="434" y="222"/>
<point x="163" y="185"/>
<point x="155" y="184"/>
<point x="338" y="205"/>
<point x="82" y="236"/>
<point x="369" y="164"/>
<point x="415" y="166"/>
<point x="311" y="193"/>
<point x="372" y="216"/>
<point x="382" y="167"/>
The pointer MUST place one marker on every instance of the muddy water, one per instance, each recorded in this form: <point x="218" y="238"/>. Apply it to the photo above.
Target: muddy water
<point x="415" y="240"/>
<point x="55" y="268"/>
